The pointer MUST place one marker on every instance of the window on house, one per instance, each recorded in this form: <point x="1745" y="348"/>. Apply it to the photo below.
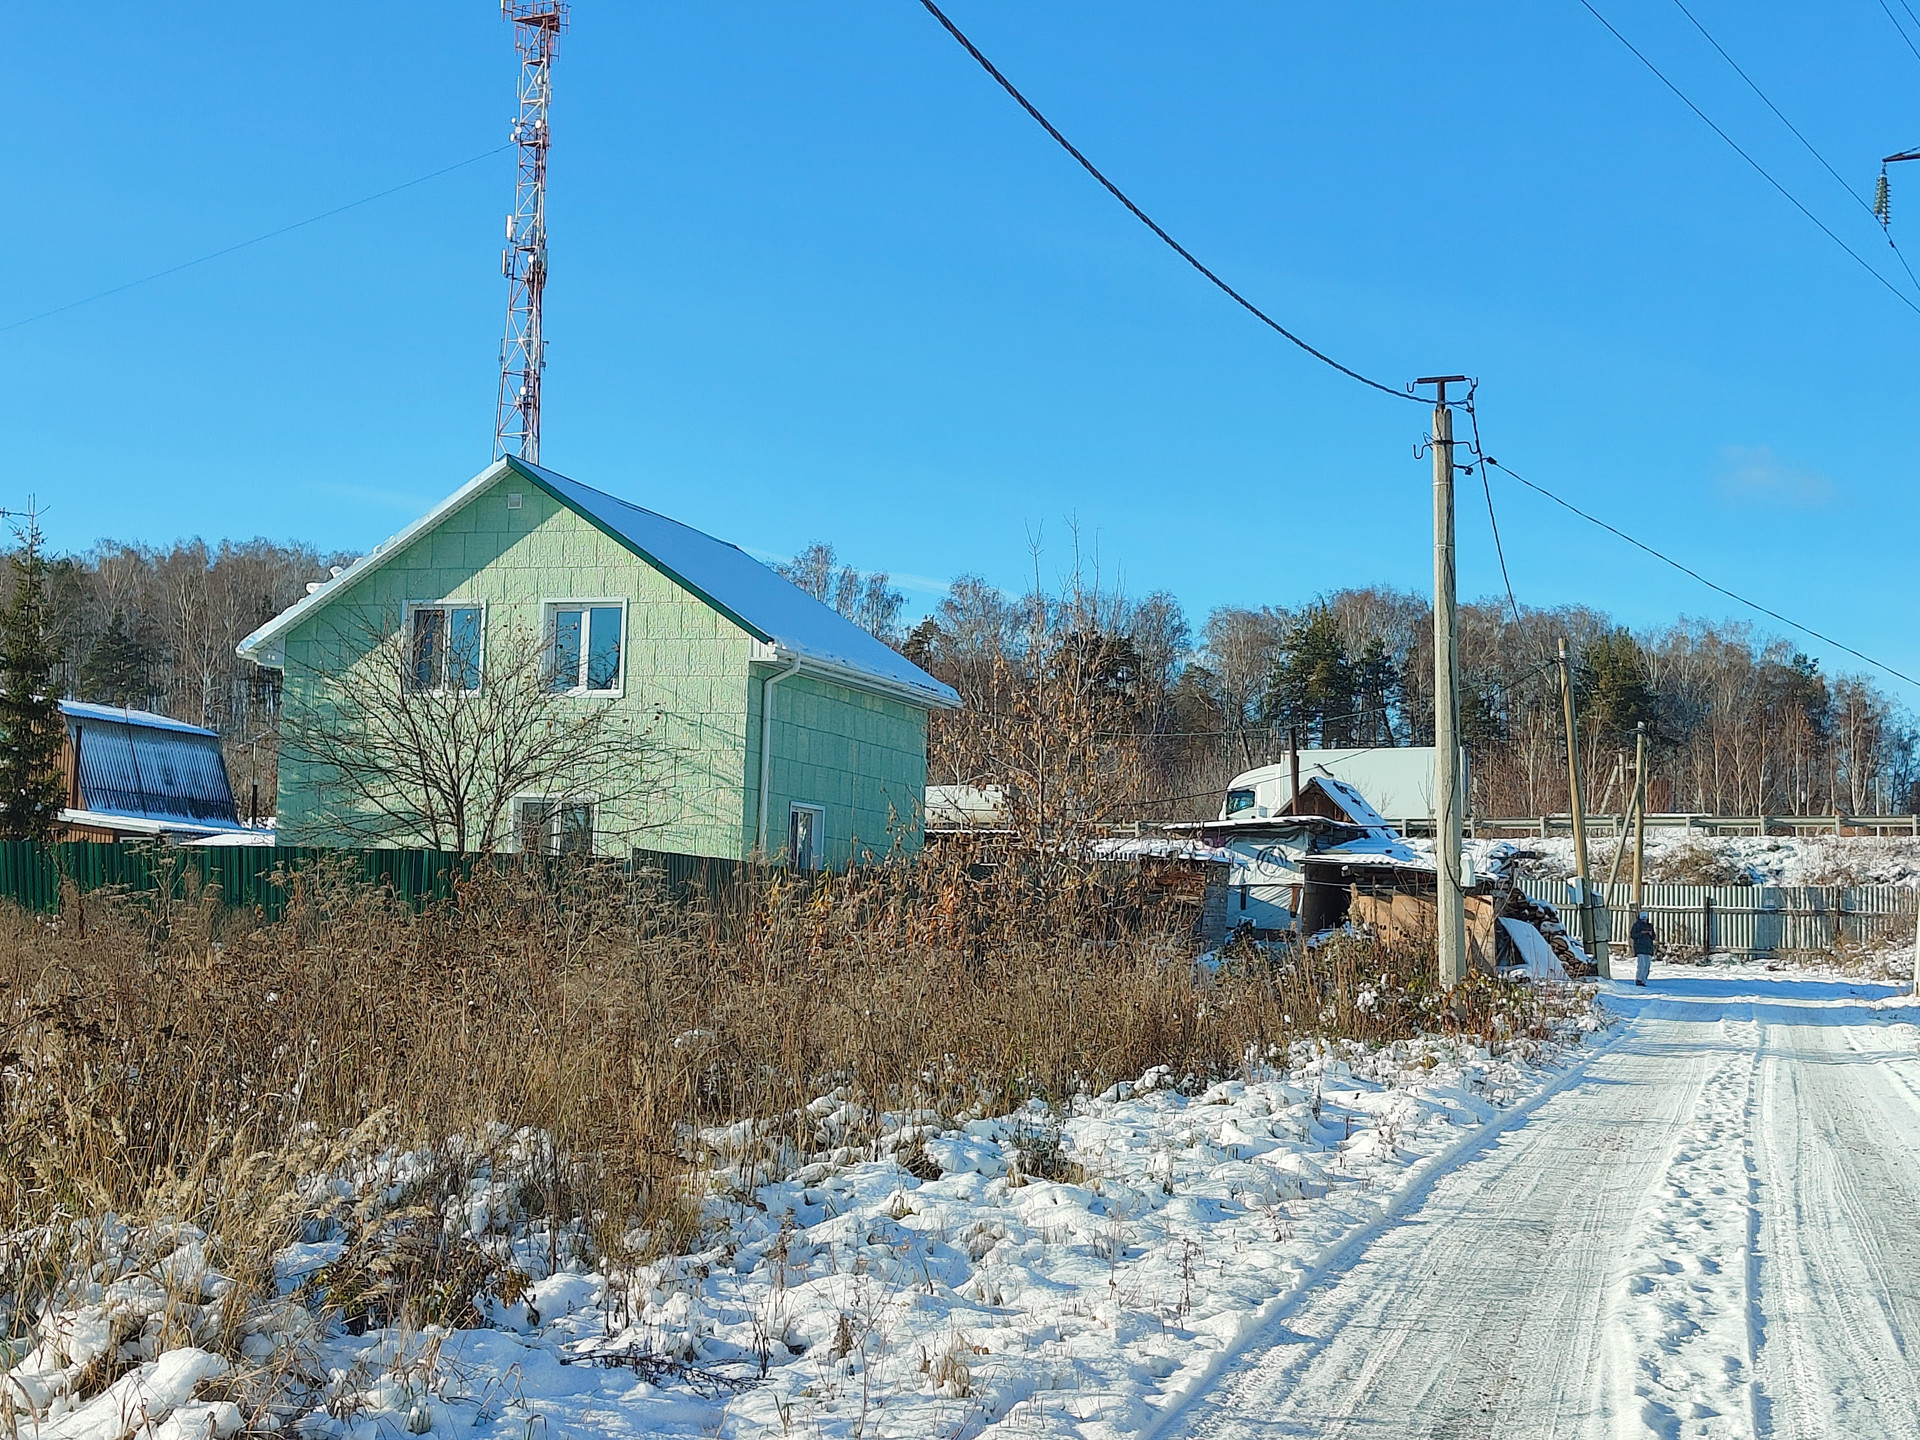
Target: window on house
<point x="586" y="647"/>
<point x="806" y="837"/>
<point x="443" y="648"/>
<point x="556" y="827"/>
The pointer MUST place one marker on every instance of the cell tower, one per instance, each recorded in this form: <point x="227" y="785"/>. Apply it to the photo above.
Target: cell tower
<point x="516" y="423"/>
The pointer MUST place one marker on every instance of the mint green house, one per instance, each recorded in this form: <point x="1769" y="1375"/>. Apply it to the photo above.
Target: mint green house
<point x="779" y="728"/>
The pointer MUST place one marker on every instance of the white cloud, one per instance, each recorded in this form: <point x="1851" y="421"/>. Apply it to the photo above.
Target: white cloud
<point x="1753" y="473"/>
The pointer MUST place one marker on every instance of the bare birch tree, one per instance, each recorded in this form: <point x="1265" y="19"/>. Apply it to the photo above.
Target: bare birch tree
<point x="403" y="745"/>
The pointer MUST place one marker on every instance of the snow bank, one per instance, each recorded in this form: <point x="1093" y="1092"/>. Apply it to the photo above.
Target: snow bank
<point x="1751" y="859"/>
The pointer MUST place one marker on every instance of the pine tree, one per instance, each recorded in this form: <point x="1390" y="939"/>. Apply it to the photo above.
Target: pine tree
<point x="1312" y="686"/>
<point x="115" y="670"/>
<point x="31" y="730"/>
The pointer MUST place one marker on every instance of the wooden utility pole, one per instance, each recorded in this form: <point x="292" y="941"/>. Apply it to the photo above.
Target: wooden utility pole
<point x="1447" y="798"/>
<point x="1639" y="815"/>
<point x="1293" y="761"/>
<point x="1577" y="798"/>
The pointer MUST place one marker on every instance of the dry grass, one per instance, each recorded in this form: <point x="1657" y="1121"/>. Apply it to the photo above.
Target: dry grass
<point x="185" y="1061"/>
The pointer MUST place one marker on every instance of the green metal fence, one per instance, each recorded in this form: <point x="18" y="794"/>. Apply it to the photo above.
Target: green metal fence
<point x="249" y="876"/>
<point x="1744" y="919"/>
<point x="255" y="876"/>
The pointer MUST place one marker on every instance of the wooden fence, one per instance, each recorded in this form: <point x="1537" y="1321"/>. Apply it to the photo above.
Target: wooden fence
<point x="1743" y="919"/>
<point x="255" y="876"/>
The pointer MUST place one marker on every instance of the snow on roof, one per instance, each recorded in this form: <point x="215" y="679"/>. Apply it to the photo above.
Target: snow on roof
<point x="97" y="819"/>
<point x="1351" y="801"/>
<point x="765" y="604"/>
<point x="1378" y="847"/>
<point x="736" y="583"/>
<point x="1160" y="848"/>
<point x="120" y="715"/>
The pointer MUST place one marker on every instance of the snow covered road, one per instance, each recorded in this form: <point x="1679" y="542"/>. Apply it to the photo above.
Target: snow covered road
<point x="1713" y="1230"/>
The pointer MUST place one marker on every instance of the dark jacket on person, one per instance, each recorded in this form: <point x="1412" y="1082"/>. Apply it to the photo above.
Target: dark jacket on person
<point x="1642" y="934"/>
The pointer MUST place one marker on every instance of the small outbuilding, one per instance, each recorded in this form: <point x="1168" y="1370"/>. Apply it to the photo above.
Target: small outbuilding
<point x="132" y="774"/>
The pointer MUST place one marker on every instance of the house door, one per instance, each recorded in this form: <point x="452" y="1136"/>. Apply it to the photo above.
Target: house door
<point x="806" y="837"/>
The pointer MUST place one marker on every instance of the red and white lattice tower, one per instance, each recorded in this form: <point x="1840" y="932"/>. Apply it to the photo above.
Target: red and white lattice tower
<point x="516" y="425"/>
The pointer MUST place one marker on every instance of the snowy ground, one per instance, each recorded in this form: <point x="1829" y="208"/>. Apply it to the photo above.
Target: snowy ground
<point x="1708" y="1232"/>
<point x="1748" y="859"/>
<point x="1700" y="1222"/>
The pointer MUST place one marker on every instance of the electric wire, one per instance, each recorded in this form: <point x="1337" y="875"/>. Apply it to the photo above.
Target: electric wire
<point x="1484" y="459"/>
<point x="1781" y="117"/>
<point x="1492" y="521"/>
<point x="1760" y="169"/>
<point x="257" y="239"/>
<point x="1688" y="570"/>
<point x="1146" y="219"/>
<point x="1894" y="20"/>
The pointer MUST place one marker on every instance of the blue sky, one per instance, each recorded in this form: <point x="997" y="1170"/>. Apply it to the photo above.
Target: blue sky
<point x="816" y="277"/>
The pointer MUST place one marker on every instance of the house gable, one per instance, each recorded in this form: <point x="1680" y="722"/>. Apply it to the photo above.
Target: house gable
<point x="686" y="665"/>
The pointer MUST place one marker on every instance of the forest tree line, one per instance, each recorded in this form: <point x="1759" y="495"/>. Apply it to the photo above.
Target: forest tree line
<point x="1739" y="722"/>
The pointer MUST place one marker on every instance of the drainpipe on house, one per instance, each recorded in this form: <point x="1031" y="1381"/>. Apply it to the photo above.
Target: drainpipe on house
<point x="766" y="748"/>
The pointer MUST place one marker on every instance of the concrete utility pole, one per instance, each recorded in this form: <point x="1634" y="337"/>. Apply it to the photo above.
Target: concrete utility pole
<point x="1447" y="798"/>
<point x="1577" y="798"/>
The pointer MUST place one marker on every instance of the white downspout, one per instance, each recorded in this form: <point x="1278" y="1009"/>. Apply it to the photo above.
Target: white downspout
<point x="766" y="748"/>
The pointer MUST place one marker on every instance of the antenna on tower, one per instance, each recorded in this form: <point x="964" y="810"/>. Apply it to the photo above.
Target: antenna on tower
<point x="516" y="423"/>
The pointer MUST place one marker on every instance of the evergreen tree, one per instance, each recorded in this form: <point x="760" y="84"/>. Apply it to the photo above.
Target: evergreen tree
<point x="31" y="730"/>
<point x="1312" y="686"/>
<point x="1374" y="683"/>
<point x="115" y="670"/>
<point x="1618" y="695"/>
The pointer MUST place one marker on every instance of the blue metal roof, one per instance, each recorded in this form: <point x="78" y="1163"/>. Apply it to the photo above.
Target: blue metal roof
<point x="120" y="715"/>
<point x="755" y="595"/>
<point x="149" y="767"/>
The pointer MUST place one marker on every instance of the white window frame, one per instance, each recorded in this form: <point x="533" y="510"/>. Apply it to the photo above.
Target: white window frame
<point x="549" y="629"/>
<point x="819" y="813"/>
<point x="414" y="607"/>
<point x="560" y="804"/>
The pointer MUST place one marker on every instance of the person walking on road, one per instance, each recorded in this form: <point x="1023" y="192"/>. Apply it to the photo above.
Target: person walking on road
<point x="1642" y="934"/>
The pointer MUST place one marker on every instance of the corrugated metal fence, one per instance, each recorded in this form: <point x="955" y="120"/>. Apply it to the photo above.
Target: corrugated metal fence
<point x="1746" y="919"/>
<point x="254" y="876"/>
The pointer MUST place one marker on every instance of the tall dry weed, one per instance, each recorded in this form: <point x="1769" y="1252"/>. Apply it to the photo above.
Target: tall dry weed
<point x="175" y="1057"/>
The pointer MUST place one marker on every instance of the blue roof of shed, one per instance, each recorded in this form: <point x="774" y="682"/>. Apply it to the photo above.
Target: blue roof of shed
<point x="150" y="767"/>
<point x="121" y="715"/>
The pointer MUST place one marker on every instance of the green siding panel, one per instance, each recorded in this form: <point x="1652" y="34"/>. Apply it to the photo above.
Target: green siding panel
<point x="861" y="757"/>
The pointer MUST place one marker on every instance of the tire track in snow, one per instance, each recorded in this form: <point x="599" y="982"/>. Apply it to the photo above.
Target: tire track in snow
<point x="1682" y="1346"/>
<point x="1837" y="1236"/>
<point x="1711" y="1235"/>
<point x="1481" y="1312"/>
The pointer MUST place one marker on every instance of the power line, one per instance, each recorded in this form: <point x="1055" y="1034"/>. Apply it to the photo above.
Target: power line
<point x="1895" y="21"/>
<point x="1498" y="549"/>
<point x="1146" y="219"/>
<point x="1764" y="174"/>
<point x="1781" y="117"/>
<point x="1687" y="570"/>
<point x="1484" y="459"/>
<point x="257" y="239"/>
